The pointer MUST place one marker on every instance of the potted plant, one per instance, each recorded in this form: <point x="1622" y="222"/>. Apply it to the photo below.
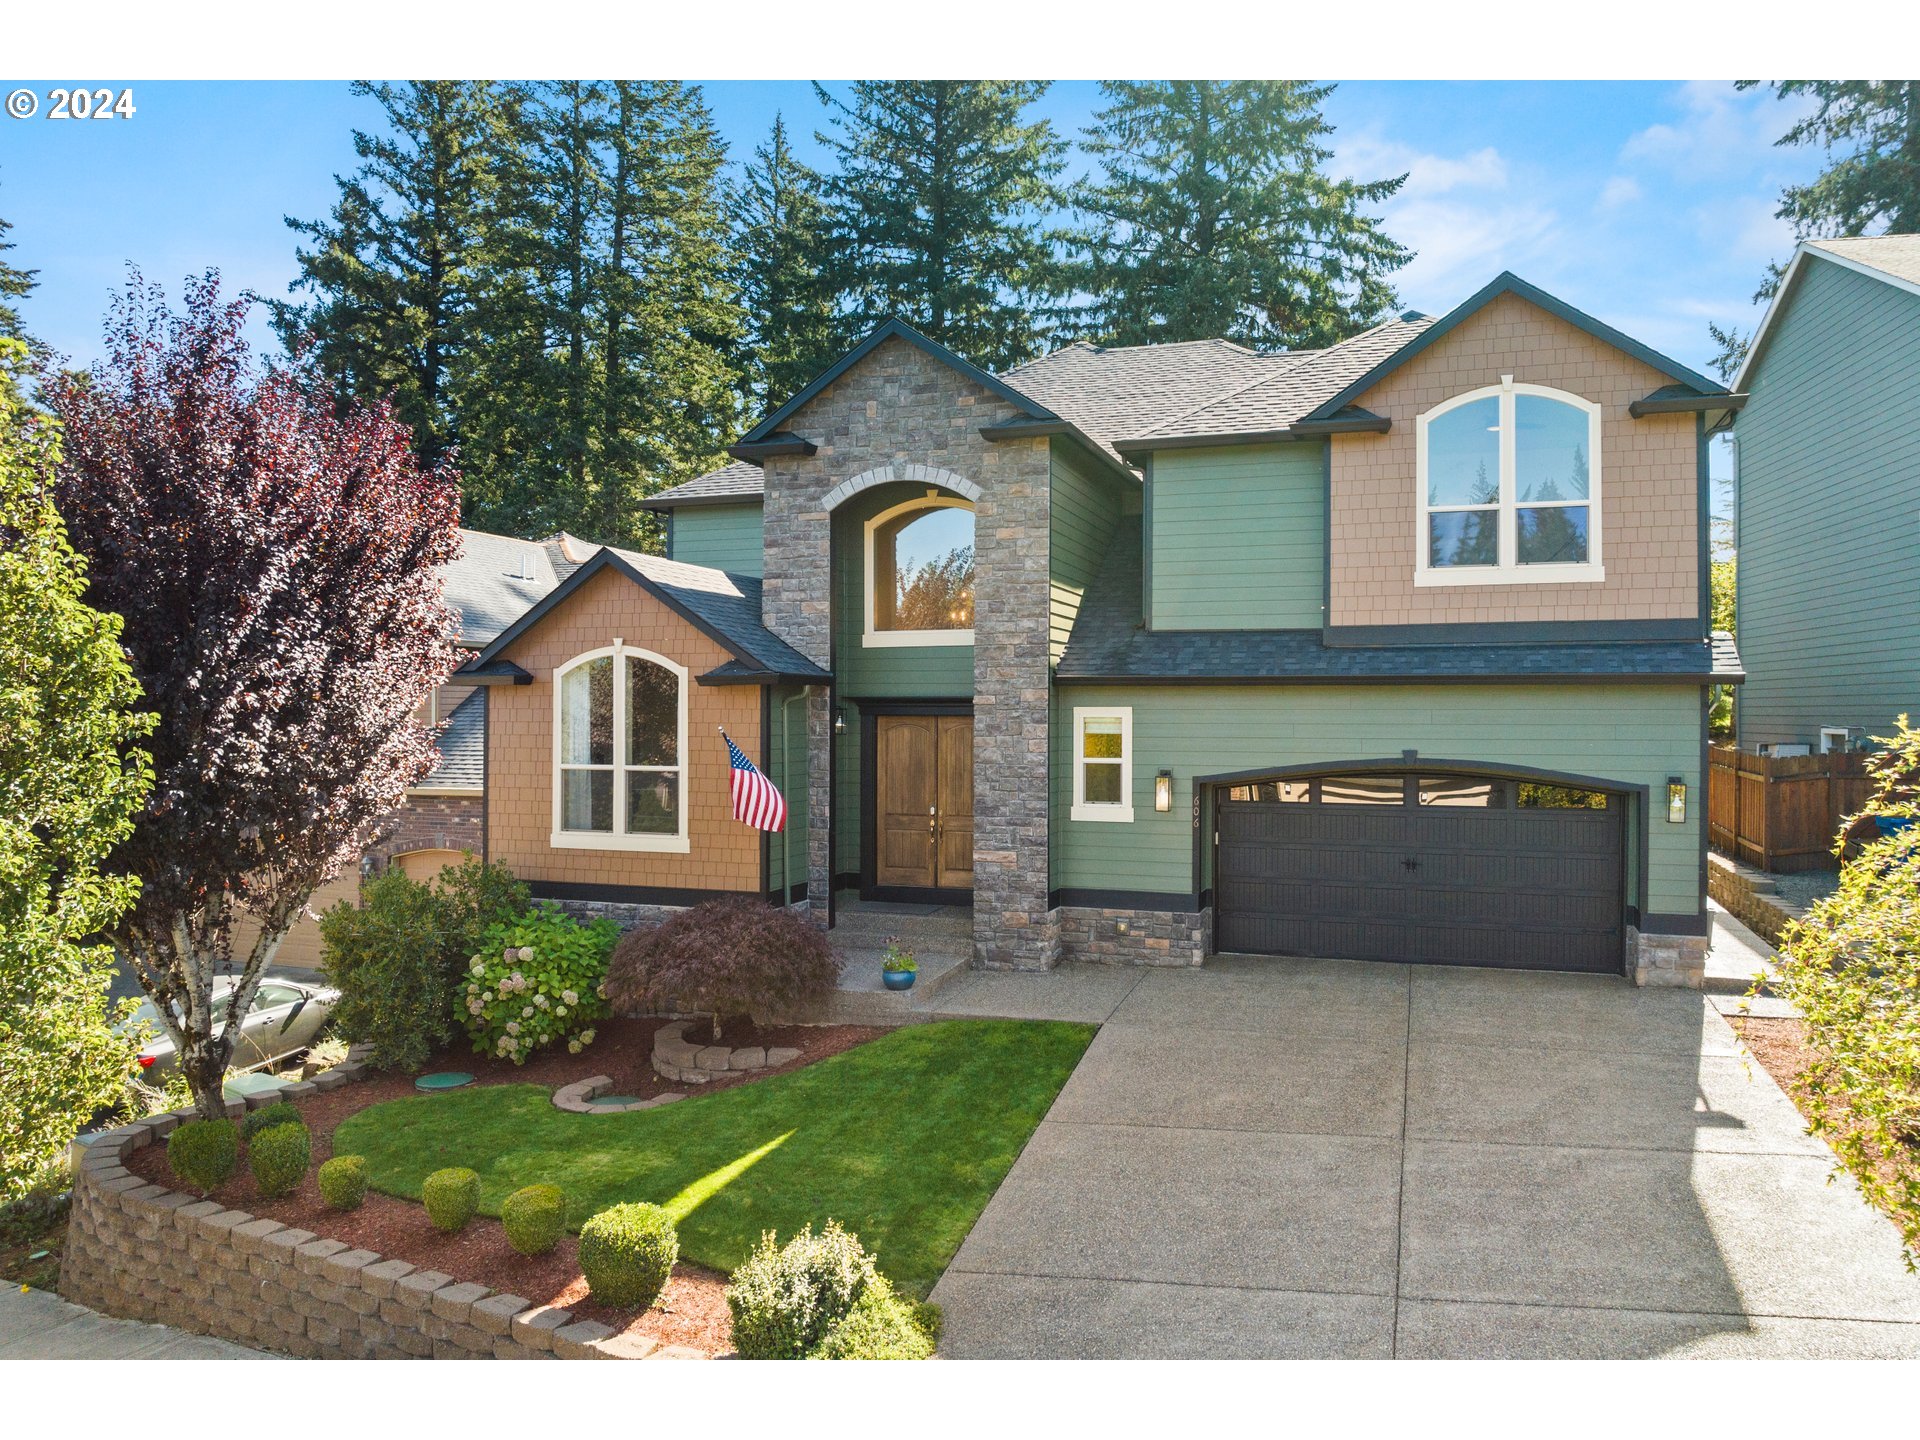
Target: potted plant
<point x="898" y="968"/>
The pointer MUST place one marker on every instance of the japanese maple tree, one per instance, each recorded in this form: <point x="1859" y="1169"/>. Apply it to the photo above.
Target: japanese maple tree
<point x="274" y="559"/>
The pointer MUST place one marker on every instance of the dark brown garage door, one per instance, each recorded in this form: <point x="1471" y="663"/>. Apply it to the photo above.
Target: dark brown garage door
<point x="1450" y="870"/>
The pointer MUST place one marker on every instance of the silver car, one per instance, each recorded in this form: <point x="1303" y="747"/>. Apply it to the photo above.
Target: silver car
<point x="283" y="1020"/>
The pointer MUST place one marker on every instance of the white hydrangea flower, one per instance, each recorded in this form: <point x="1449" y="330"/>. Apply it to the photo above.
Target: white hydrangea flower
<point x="559" y="1011"/>
<point x="513" y="1027"/>
<point x="571" y="997"/>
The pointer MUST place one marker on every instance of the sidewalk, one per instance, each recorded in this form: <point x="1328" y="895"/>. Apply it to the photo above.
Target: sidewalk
<point x="37" y="1325"/>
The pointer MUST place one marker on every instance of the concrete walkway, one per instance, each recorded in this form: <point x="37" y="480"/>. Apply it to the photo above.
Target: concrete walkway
<point x="36" y="1325"/>
<point x="1318" y="1158"/>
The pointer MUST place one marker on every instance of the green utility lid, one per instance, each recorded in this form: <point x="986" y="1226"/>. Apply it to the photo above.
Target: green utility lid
<point x="614" y="1100"/>
<point x="443" y="1080"/>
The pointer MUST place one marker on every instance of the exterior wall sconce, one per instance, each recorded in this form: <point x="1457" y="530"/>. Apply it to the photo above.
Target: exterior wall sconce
<point x="1676" y="800"/>
<point x="1163" y="791"/>
<point x="840" y="720"/>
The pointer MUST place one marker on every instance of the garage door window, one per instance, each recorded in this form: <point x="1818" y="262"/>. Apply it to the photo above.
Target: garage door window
<point x="1103" y="764"/>
<point x="1469" y="792"/>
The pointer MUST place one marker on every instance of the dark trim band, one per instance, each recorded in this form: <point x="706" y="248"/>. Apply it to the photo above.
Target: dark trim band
<point x="1159" y="902"/>
<point x="1673" y="925"/>
<point x="1514" y="632"/>
<point x="630" y="894"/>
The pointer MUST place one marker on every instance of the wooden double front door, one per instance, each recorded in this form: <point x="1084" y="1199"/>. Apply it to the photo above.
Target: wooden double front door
<point x="923" y="802"/>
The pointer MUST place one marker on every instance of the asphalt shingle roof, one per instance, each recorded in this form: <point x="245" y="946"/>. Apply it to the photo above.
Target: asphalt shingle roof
<point x="463" y="747"/>
<point x="1277" y="400"/>
<point x="496" y="579"/>
<point x="729" y="605"/>
<point x="1110" y="643"/>
<point x="739" y="481"/>
<point x="1895" y="254"/>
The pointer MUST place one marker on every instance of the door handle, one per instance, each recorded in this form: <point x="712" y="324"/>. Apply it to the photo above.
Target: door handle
<point x="1409" y="864"/>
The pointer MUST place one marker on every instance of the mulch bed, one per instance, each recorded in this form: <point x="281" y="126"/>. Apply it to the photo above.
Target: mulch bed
<point x="692" y="1312"/>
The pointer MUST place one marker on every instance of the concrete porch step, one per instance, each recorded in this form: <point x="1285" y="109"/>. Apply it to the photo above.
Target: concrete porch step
<point x="863" y="999"/>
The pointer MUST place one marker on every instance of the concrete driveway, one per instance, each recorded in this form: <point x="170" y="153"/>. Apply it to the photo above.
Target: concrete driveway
<point x="1295" y="1158"/>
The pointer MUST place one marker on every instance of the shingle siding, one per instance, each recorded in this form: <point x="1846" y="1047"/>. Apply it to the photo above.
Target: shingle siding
<point x="727" y="537"/>
<point x="1829" y="512"/>
<point x="1239" y="538"/>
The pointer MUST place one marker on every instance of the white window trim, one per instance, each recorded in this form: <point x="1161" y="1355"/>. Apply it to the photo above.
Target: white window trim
<point x="1509" y="571"/>
<point x="878" y="639"/>
<point x="1121" y="813"/>
<point x="616" y="839"/>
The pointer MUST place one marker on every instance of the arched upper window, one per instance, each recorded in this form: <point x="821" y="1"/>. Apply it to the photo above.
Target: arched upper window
<point x="920" y="573"/>
<point x="1509" y="481"/>
<point x="619" y="751"/>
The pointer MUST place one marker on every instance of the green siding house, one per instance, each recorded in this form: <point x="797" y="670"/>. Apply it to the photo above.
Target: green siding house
<point x="1828" y="507"/>
<point x="1396" y="650"/>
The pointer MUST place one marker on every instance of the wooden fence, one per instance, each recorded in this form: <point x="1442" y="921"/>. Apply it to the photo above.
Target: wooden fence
<point x="1782" y="813"/>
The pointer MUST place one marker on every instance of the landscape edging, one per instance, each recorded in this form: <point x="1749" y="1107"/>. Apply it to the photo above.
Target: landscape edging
<point x="144" y="1252"/>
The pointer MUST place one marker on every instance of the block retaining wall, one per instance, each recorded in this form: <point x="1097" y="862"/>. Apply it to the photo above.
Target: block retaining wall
<point x="148" y="1253"/>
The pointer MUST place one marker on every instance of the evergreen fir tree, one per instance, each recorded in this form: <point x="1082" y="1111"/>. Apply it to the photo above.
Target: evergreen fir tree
<point x="390" y="272"/>
<point x="782" y="247"/>
<point x="1213" y="215"/>
<point x="938" y="200"/>
<point x="15" y="285"/>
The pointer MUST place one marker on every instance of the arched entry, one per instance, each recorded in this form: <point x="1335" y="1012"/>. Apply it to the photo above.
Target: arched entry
<point x="1425" y="863"/>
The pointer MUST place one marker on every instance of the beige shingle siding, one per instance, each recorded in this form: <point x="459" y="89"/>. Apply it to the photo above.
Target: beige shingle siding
<point x="723" y="855"/>
<point x="1649" y="470"/>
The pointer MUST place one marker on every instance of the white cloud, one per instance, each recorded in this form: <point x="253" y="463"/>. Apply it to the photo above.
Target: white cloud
<point x="1621" y="190"/>
<point x="1719" y="130"/>
<point x="1369" y="156"/>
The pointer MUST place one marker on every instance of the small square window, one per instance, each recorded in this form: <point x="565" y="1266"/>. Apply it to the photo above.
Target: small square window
<point x="1103" y="764"/>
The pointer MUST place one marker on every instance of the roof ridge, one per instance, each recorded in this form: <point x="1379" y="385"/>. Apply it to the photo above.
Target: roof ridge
<point x="1229" y="393"/>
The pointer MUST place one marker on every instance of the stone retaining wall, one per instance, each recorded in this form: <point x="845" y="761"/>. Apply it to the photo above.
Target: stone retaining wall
<point x="1732" y="884"/>
<point x="1152" y="937"/>
<point x="148" y="1253"/>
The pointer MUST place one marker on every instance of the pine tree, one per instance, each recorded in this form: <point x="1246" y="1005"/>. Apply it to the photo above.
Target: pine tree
<point x="782" y="247"/>
<point x="1871" y="131"/>
<point x="390" y="272"/>
<point x="15" y="285"/>
<point x="938" y="200"/>
<point x="1213" y="215"/>
<point x="609" y="319"/>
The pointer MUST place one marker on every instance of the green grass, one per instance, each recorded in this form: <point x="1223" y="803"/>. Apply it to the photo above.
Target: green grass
<point x="903" y="1140"/>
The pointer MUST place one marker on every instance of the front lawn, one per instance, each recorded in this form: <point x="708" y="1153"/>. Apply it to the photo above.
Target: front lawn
<point x="903" y="1140"/>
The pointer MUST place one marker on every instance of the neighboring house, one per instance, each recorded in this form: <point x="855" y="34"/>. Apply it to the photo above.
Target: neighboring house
<point x="1828" y="499"/>
<point x="495" y="580"/>
<point x="1396" y="650"/>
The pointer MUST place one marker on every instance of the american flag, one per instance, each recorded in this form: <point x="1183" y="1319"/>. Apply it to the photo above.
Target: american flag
<point x="755" y="800"/>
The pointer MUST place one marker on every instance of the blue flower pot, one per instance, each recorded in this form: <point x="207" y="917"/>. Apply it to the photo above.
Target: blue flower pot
<point x="898" y="979"/>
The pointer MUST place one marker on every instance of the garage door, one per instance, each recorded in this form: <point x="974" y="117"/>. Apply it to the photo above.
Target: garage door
<point x="1450" y="870"/>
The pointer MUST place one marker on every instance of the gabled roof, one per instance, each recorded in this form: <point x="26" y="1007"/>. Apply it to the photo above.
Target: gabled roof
<point x="892" y="329"/>
<point x="462" y="744"/>
<point x="496" y="578"/>
<point x="723" y="606"/>
<point x="1891" y="259"/>
<point x="1508" y="283"/>
<point x="1274" y="403"/>
<point x="1109" y="642"/>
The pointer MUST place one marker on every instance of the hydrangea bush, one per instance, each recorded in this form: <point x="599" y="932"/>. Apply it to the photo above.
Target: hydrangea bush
<point x="536" y="982"/>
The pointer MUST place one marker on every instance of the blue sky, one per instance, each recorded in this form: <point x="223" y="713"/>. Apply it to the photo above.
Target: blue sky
<point x="1648" y="204"/>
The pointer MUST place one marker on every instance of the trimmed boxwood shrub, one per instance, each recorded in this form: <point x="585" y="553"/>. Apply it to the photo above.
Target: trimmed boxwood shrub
<point x="627" y="1254"/>
<point x="451" y="1196"/>
<point x="278" y="1157"/>
<point x="537" y="982"/>
<point x="880" y="1326"/>
<point x="724" y="958"/>
<point x="535" y="1218"/>
<point x="343" y="1182"/>
<point x="203" y="1153"/>
<point x="784" y="1299"/>
<point x="281" y="1112"/>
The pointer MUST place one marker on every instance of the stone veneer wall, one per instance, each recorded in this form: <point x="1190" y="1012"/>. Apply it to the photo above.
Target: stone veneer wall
<point x="1667" y="960"/>
<point x="901" y="415"/>
<point x="1154" y="937"/>
<point x="149" y="1253"/>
